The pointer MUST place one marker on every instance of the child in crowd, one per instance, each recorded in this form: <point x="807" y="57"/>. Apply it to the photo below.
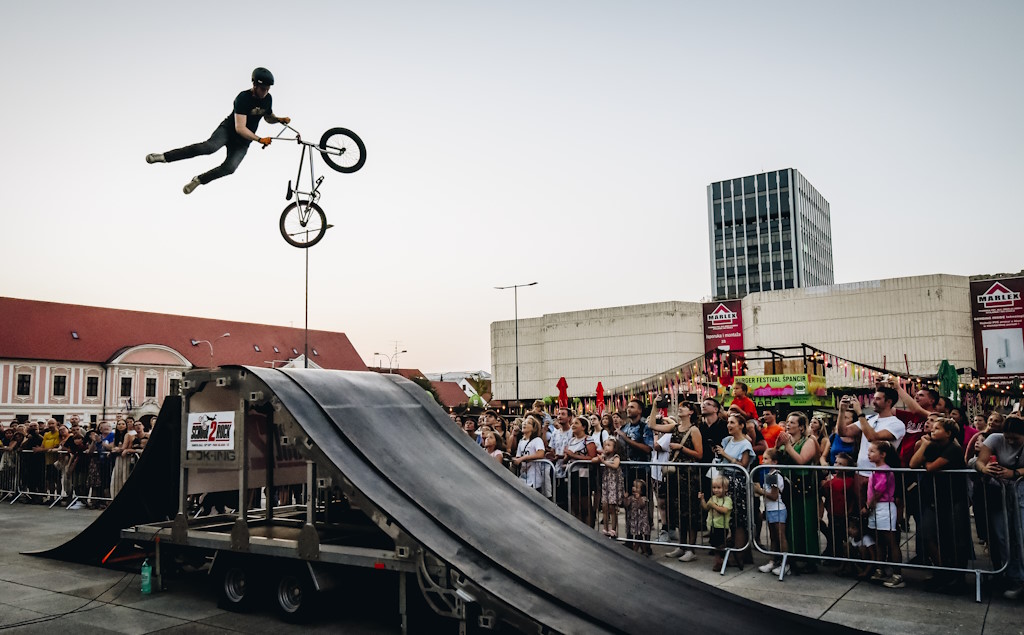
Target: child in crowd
<point x="612" y="487"/>
<point x="719" y="510"/>
<point x="860" y="545"/>
<point x="881" y="506"/>
<point x="840" y="501"/>
<point x="775" y="511"/>
<point x="638" y="527"/>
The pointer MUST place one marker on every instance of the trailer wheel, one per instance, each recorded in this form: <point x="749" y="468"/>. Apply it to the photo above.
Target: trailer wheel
<point x="237" y="588"/>
<point x="295" y="595"/>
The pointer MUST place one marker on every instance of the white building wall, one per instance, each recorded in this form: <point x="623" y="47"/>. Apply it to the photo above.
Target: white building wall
<point x="611" y="345"/>
<point x="926" y="317"/>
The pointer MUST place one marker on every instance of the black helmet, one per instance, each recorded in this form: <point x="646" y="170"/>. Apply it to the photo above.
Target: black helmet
<point x="262" y="76"/>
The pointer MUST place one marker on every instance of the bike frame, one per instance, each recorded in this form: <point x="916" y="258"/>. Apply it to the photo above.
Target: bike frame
<point x="307" y="151"/>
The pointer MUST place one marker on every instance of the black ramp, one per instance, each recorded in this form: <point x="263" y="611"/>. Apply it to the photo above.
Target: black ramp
<point x="401" y="450"/>
<point x="149" y="495"/>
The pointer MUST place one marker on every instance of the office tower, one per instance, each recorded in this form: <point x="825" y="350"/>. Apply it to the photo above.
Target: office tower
<point x="768" y="231"/>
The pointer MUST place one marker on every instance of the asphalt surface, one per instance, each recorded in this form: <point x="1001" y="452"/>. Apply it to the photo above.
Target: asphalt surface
<point x="47" y="596"/>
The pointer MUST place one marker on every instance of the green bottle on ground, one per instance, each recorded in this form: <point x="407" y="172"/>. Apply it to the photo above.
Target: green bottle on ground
<point x="147" y="577"/>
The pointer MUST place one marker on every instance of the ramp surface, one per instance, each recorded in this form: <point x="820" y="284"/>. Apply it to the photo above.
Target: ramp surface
<point x="149" y="495"/>
<point x="400" y="449"/>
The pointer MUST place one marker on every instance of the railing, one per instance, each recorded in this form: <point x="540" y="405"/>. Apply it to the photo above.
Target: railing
<point x="929" y="517"/>
<point x="673" y="492"/>
<point x="53" y="476"/>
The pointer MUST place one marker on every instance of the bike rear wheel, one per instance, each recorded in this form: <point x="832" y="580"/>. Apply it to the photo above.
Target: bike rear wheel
<point x="303" y="224"/>
<point x="343" y="150"/>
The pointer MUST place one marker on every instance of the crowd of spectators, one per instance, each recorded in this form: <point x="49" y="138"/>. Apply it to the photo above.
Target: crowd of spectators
<point x="70" y="463"/>
<point x="828" y="488"/>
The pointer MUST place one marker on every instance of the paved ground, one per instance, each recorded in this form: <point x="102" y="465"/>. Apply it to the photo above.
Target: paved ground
<point x="44" y="596"/>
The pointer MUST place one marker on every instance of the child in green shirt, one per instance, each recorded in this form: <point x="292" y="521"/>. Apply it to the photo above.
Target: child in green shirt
<point x="719" y="509"/>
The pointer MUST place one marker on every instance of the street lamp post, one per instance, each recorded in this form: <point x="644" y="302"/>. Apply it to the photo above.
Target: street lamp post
<point x="391" y="357"/>
<point x="515" y="293"/>
<point x="196" y="342"/>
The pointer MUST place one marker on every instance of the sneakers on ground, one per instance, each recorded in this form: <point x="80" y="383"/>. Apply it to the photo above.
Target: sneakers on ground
<point x="778" y="570"/>
<point x="879" y="576"/>
<point x="767" y="567"/>
<point x="895" y="582"/>
<point x="675" y="553"/>
<point x="1014" y="593"/>
<point x="76" y="505"/>
<point x="156" y="157"/>
<point x="688" y="556"/>
<point x="191" y="185"/>
<point x="663" y="536"/>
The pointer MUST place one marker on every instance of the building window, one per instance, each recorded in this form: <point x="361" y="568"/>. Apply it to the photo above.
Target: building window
<point x="126" y="386"/>
<point x="24" y="385"/>
<point x="92" y="386"/>
<point x="151" y="386"/>
<point x="60" y="385"/>
<point x="175" y="386"/>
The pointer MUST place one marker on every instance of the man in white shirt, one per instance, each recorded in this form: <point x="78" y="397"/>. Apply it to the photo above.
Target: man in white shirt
<point x="882" y="426"/>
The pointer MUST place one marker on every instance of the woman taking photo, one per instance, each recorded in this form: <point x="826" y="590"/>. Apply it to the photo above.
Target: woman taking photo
<point x="683" y="485"/>
<point x="799" y="449"/>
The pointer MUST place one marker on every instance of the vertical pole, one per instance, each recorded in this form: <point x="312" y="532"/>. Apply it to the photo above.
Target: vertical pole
<point x="305" y="351"/>
<point x="515" y="292"/>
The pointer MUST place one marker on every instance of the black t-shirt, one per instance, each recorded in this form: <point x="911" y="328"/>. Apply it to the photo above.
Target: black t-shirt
<point x="32" y="441"/>
<point x="939" y="489"/>
<point x="253" y="108"/>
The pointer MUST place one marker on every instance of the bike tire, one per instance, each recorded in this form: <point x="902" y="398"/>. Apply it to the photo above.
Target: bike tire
<point x="300" y="235"/>
<point x="338" y="146"/>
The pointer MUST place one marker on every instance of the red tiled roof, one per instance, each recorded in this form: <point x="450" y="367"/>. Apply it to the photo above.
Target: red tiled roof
<point x="408" y="373"/>
<point x="449" y="393"/>
<point x="42" y="331"/>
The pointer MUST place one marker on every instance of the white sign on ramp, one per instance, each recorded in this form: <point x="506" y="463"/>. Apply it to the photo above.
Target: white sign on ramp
<point x="211" y="430"/>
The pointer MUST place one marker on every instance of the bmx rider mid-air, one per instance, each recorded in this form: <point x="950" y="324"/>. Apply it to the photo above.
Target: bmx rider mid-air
<point x="236" y="132"/>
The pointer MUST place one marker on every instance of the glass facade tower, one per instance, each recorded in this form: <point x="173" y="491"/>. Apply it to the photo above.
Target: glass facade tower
<point x="768" y="231"/>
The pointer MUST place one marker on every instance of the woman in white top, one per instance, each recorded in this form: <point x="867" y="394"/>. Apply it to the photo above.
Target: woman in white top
<point x="581" y="486"/>
<point x="530" y="451"/>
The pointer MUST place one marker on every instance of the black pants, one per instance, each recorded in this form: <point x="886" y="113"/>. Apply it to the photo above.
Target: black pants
<point x="222" y="136"/>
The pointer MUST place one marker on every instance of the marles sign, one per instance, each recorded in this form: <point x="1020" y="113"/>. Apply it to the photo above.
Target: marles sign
<point x="721" y="315"/>
<point x="997" y="296"/>
<point x="723" y="326"/>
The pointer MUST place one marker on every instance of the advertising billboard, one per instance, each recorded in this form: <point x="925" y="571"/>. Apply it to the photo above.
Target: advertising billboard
<point x="998" y="315"/>
<point x="723" y="326"/>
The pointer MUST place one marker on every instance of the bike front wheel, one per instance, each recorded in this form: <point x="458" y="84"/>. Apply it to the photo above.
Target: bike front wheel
<point x="343" y="150"/>
<point x="303" y="224"/>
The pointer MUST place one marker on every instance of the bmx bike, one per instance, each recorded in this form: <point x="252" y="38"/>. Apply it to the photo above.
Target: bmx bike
<point x="303" y="222"/>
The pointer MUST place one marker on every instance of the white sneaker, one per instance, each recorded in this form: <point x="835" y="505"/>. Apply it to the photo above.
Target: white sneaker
<point x="76" y="505"/>
<point x="778" y="570"/>
<point x="767" y="567"/>
<point x="663" y="536"/>
<point x="675" y="553"/>
<point x="156" y="157"/>
<point x="689" y="556"/>
<point x="191" y="185"/>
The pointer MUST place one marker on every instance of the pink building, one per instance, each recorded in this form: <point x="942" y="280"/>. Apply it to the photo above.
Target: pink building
<point x="57" y="360"/>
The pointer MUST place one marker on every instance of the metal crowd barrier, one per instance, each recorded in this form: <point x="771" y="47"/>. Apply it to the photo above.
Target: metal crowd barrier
<point x="545" y="471"/>
<point x="57" y="475"/>
<point x="672" y="503"/>
<point x="9" y="471"/>
<point x="932" y="519"/>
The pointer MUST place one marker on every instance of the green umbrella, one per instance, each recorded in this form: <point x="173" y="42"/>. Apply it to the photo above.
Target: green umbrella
<point x="949" y="382"/>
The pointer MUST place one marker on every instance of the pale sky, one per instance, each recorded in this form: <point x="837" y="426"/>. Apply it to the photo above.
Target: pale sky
<point x="564" y="142"/>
